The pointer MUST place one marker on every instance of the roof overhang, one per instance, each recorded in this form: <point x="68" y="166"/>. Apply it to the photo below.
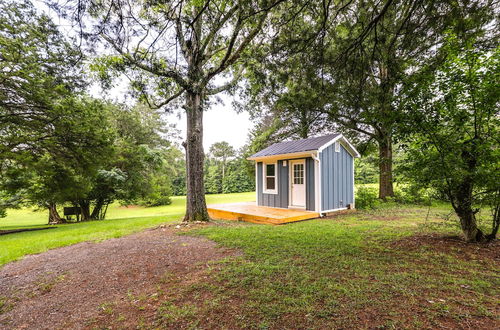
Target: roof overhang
<point x="302" y="154"/>
<point x="311" y="153"/>
<point x="347" y="145"/>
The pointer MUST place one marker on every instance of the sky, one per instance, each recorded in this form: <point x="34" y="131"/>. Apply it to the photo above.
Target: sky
<point x="220" y="123"/>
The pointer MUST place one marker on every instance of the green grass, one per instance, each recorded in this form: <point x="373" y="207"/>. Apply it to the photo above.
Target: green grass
<point x="34" y="218"/>
<point x="341" y="272"/>
<point x="120" y="221"/>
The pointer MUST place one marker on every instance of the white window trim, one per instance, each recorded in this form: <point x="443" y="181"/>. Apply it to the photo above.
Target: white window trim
<point x="264" y="177"/>
<point x="337" y="146"/>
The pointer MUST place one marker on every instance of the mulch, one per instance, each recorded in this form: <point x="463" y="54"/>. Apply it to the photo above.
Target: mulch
<point x="68" y="287"/>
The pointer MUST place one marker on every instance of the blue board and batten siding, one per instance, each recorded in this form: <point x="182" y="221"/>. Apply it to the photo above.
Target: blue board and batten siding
<point x="310" y="185"/>
<point x="274" y="200"/>
<point x="337" y="190"/>
<point x="281" y="199"/>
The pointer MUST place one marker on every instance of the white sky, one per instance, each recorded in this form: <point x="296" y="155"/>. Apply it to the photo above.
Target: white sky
<point x="220" y="123"/>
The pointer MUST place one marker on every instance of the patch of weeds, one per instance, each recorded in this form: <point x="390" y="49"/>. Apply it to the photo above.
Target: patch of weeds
<point x="136" y="298"/>
<point x="5" y="306"/>
<point x="106" y="308"/>
<point x="47" y="286"/>
<point x="120" y="318"/>
<point x="167" y="277"/>
<point x="169" y="313"/>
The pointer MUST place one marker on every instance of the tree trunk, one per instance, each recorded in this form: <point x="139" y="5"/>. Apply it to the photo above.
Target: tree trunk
<point x="96" y="212"/>
<point x="386" y="188"/>
<point x="463" y="208"/>
<point x="85" y="208"/>
<point x="469" y="225"/>
<point x="196" y="207"/>
<point x="54" y="217"/>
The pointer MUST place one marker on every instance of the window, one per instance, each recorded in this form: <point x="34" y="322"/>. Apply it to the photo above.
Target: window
<point x="337" y="146"/>
<point x="298" y="173"/>
<point x="270" y="180"/>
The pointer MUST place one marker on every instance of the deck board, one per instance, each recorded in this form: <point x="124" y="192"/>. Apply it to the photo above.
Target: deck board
<point x="250" y="212"/>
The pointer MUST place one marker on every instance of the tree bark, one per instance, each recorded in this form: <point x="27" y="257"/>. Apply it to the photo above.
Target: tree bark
<point x="467" y="216"/>
<point x="462" y="201"/>
<point x="196" y="207"/>
<point x="386" y="188"/>
<point x="85" y="208"/>
<point x="469" y="227"/>
<point x="96" y="212"/>
<point x="54" y="217"/>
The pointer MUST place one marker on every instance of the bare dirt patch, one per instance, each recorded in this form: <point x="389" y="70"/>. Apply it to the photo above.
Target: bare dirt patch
<point x="73" y="286"/>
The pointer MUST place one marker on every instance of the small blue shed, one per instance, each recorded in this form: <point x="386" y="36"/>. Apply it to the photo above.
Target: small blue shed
<point x="315" y="174"/>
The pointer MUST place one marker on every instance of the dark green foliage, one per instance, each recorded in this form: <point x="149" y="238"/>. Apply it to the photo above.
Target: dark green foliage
<point x="38" y="70"/>
<point x="58" y="146"/>
<point x="453" y="118"/>
<point x="365" y="169"/>
<point x="366" y="198"/>
<point x="228" y="176"/>
<point x="238" y="179"/>
<point x="213" y="179"/>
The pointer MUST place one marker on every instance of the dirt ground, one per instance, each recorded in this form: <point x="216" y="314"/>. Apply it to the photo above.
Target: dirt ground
<point x="71" y="287"/>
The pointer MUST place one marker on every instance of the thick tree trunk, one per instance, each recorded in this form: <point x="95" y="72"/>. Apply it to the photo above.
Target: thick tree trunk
<point x="85" y="208"/>
<point x="469" y="225"/>
<point x="463" y="208"/>
<point x="196" y="207"/>
<point x="386" y="188"/>
<point x="54" y="217"/>
<point x="96" y="212"/>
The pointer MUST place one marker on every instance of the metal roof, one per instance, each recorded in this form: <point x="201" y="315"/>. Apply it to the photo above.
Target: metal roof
<point x="289" y="147"/>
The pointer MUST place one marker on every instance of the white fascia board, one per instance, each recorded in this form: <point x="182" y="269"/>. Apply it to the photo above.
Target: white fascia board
<point x="349" y="147"/>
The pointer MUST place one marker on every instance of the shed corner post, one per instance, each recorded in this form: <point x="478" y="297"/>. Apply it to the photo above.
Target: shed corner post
<point x="353" y="186"/>
<point x="256" y="184"/>
<point x="317" y="181"/>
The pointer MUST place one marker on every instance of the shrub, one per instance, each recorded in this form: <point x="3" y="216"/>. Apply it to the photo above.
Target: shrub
<point x="412" y="194"/>
<point x="367" y="198"/>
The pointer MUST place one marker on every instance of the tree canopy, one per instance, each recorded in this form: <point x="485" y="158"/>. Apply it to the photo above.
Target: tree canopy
<point x="455" y="132"/>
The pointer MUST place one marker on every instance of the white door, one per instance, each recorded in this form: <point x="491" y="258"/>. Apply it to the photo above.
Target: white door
<point x="297" y="183"/>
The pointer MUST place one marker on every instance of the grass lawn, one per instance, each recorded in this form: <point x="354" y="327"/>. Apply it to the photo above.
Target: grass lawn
<point x="392" y="268"/>
<point x="397" y="267"/>
<point x="120" y="221"/>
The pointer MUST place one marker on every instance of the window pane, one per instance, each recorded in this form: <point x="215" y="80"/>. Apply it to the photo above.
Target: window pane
<point x="270" y="170"/>
<point x="270" y="183"/>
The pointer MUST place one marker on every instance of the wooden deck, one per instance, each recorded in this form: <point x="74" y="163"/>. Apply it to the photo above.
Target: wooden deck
<point x="250" y="212"/>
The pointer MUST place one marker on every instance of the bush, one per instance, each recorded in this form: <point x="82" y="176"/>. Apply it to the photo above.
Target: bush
<point x="412" y="194"/>
<point x="161" y="190"/>
<point x="367" y="198"/>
